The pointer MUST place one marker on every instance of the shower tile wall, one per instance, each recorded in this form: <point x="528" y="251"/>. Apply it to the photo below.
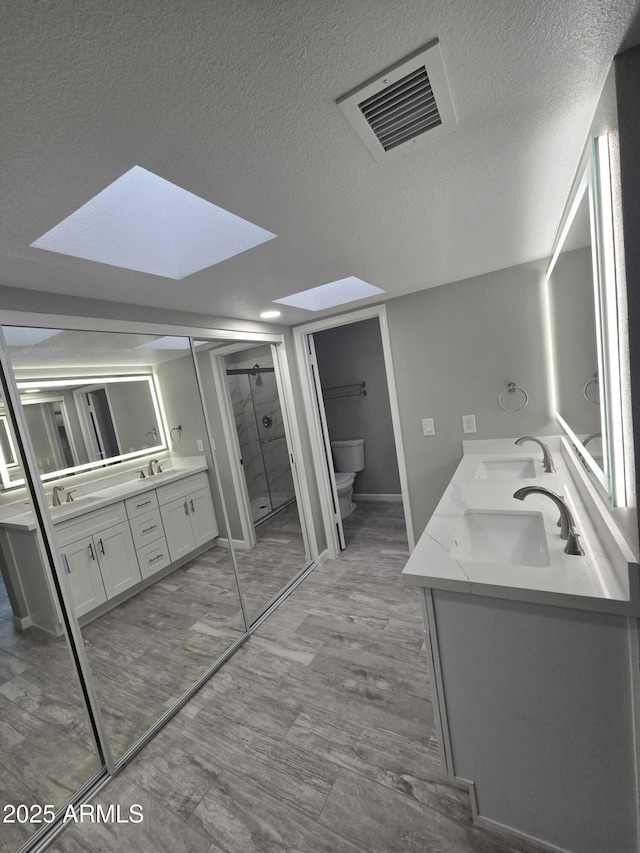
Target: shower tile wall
<point x="267" y="468"/>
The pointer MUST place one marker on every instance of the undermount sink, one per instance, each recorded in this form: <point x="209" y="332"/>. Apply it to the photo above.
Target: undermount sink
<point x="516" y="468"/>
<point x="68" y="506"/>
<point x="501" y="536"/>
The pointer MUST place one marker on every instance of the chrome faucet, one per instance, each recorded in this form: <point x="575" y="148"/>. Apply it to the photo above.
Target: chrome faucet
<point x="547" y="461"/>
<point x="589" y="438"/>
<point x="57" y="491"/>
<point x="567" y="524"/>
<point x="150" y="470"/>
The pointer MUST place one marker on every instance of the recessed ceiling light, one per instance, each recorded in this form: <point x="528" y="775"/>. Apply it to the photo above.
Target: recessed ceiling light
<point x="270" y="315"/>
<point x="144" y="222"/>
<point x="328" y="295"/>
<point x="23" y="336"/>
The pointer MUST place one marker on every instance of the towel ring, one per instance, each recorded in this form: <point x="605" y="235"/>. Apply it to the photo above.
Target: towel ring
<point x="153" y="439"/>
<point x="178" y="434"/>
<point x="592" y="381"/>
<point x="512" y="388"/>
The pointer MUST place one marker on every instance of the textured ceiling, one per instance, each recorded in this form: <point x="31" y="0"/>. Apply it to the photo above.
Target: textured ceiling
<point x="235" y="101"/>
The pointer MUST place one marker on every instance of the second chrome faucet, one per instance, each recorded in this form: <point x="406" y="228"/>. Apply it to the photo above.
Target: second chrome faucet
<point x="547" y="459"/>
<point x="567" y="524"/>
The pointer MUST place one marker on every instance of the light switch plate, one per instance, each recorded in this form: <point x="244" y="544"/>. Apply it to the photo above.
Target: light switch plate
<point x="428" y="426"/>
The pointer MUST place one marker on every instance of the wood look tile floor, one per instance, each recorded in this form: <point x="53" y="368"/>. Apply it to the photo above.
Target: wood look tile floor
<point x="315" y="737"/>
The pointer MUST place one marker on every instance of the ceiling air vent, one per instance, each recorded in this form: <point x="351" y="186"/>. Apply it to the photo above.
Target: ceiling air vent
<point x="403" y="106"/>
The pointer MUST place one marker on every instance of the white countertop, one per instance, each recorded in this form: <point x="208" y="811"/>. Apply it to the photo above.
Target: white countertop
<point x="594" y="581"/>
<point x="96" y="495"/>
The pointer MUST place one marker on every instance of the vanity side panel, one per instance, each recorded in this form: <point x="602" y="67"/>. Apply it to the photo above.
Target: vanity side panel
<point x="539" y="712"/>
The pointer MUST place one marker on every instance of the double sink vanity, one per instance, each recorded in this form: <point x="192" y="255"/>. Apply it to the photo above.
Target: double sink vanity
<point x="116" y="536"/>
<point x="533" y="651"/>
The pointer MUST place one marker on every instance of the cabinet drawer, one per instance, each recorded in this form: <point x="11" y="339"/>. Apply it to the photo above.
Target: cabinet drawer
<point x="153" y="557"/>
<point x="183" y="487"/>
<point x="146" y="528"/>
<point x="141" y="503"/>
<point x="90" y="523"/>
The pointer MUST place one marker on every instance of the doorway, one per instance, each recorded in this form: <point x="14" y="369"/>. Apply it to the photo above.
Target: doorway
<point x="348" y="387"/>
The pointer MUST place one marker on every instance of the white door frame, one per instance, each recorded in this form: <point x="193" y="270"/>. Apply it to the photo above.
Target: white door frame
<point x="300" y="335"/>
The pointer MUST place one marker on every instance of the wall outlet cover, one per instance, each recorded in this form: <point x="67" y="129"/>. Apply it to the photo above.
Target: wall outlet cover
<point x="428" y="426"/>
<point x="469" y="423"/>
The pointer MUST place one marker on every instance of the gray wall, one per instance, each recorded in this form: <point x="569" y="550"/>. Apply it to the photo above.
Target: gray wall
<point x="349" y="354"/>
<point x="454" y="349"/>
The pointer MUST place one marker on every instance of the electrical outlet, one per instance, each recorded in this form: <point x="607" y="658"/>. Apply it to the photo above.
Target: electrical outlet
<point x="200" y="445"/>
<point x="428" y="426"/>
<point x="469" y="423"/>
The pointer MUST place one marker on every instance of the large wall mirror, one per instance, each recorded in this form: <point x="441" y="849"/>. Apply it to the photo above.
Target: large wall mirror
<point x="78" y="423"/>
<point x="583" y="314"/>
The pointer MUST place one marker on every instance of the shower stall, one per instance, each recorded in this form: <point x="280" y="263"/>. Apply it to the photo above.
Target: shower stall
<point x="263" y="445"/>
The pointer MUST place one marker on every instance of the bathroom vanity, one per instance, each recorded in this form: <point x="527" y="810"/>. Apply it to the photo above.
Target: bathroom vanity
<point x="533" y="653"/>
<point x="115" y="538"/>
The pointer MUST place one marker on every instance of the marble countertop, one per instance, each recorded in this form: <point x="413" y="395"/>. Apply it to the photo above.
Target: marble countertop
<point x="600" y="580"/>
<point x="92" y="496"/>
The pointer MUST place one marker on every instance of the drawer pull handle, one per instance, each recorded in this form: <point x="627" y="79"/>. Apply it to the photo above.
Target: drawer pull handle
<point x="91" y="554"/>
<point x="155" y="559"/>
<point x="144" y="503"/>
<point x="186" y="508"/>
<point x="192" y="506"/>
<point x="148" y="529"/>
<point x="101" y="546"/>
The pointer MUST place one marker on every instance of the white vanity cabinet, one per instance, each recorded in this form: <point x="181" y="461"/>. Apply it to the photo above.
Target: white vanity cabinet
<point x="100" y="565"/>
<point x="112" y="544"/>
<point x="187" y="514"/>
<point x="148" y="533"/>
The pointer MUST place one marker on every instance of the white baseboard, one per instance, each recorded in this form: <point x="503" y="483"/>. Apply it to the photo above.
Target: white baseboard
<point x="322" y="558"/>
<point x="365" y="497"/>
<point x="22" y="622"/>
<point x="238" y="544"/>
<point x="503" y="829"/>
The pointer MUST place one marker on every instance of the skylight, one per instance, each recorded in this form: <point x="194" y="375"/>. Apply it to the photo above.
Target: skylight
<point x="143" y="222"/>
<point x="168" y="342"/>
<point x="328" y="295"/>
<point x="23" y="336"/>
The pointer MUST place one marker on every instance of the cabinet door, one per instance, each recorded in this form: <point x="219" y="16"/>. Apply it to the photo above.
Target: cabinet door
<point x="203" y="520"/>
<point x="85" y="580"/>
<point x="177" y="528"/>
<point x="117" y="558"/>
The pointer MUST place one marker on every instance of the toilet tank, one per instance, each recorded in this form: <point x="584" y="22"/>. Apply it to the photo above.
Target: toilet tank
<point x="348" y="455"/>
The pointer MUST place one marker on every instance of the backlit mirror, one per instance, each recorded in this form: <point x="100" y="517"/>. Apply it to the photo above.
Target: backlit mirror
<point x="80" y="423"/>
<point x="582" y="310"/>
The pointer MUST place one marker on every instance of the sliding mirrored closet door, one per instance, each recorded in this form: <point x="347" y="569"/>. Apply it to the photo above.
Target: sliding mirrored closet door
<point x="48" y="750"/>
<point x="138" y="518"/>
<point x="243" y="398"/>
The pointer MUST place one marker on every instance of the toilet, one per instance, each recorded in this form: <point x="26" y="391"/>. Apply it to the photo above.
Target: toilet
<point x="348" y="459"/>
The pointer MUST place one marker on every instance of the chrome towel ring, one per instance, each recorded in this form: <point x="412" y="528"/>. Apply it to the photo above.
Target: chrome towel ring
<point x="585" y="390"/>
<point x="512" y="388"/>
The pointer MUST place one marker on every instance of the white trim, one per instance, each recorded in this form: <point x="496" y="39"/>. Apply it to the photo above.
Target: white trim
<point x="504" y="830"/>
<point x="322" y="557"/>
<point x="290" y="422"/>
<point x="234" y="452"/>
<point x="238" y="544"/>
<point x="376" y="497"/>
<point x="66" y="322"/>
<point x="300" y="333"/>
